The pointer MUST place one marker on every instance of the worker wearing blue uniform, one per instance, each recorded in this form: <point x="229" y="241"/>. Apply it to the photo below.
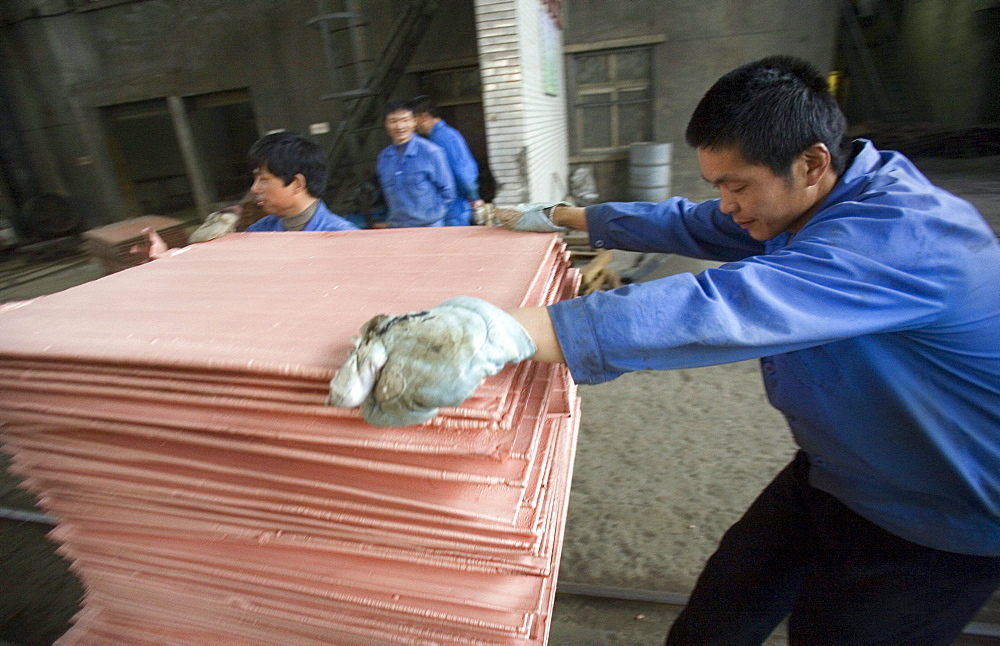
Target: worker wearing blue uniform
<point x="850" y="334"/>
<point x="413" y="172"/>
<point x="870" y="297"/>
<point x="290" y="175"/>
<point x="460" y="159"/>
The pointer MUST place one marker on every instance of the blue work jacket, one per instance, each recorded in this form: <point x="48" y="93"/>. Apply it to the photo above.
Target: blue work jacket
<point x="322" y="220"/>
<point x="417" y="185"/>
<point x="463" y="167"/>
<point x="878" y="328"/>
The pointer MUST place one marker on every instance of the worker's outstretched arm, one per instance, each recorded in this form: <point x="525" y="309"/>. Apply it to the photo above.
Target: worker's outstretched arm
<point x="538" y="324"/>
<point x="405" y="367"/>
<point x="542" y="217"/>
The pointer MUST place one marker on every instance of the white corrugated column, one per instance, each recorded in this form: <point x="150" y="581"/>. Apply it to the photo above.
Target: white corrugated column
<point x="520" y="61"/>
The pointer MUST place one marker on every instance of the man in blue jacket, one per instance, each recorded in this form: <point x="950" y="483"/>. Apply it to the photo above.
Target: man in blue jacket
<point x="460" y="159"/>
<point x="290" y="175"/>
<point x="413" y="172"/>
<point x="871" y="298"/>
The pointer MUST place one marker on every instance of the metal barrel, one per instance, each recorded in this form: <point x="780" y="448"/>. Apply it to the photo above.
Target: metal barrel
<point x="649" y="171"/>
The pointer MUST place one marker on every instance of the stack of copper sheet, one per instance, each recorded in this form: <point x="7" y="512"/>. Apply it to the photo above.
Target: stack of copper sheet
<point x="113" y="244"/>
<point x="171" y="418"/>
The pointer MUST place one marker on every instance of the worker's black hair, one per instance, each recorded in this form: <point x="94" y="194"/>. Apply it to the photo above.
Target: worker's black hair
<point x="424" y="104"/>
<point x="771" y="110"/>
<point x="286" y="154"/>
<point x="395" y="106"/>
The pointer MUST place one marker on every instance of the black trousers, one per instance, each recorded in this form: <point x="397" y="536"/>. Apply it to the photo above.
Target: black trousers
<point x="799" y="553"/>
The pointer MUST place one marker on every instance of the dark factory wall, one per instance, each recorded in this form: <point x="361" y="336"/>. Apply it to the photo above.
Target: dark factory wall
<point x="79" y="75"/>
<point x="101" y="87"/>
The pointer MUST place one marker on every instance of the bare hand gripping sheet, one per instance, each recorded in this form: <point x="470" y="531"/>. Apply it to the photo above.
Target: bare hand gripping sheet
<point x="405" y="367"/>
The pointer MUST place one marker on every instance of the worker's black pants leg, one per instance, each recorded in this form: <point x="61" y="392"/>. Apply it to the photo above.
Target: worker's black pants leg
<point x="840" y="579"/>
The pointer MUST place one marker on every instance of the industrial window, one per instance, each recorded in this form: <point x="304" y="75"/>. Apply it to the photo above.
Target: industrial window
<point x="612" y="99"/>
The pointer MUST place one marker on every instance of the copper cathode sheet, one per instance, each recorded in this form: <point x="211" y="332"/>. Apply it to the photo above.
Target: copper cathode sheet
<point x="293" y="310"/>
<point x="171" y="417"/>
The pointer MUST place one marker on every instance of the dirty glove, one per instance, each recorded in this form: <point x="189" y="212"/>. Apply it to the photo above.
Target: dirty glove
<point x="404" y="368"/>
<point x="530" y="217"/>
<point x="215" y="226"/>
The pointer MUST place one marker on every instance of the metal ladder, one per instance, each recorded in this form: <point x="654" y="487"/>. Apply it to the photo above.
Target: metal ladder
<point x="371" y="86"/>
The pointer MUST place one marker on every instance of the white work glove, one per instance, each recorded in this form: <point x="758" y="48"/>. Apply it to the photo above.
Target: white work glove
<point x="529" y="217"/>
<point x="404" y="368"/>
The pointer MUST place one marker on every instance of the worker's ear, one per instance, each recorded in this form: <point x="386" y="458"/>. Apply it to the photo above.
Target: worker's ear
<point x="299" y="181"/>
<point x="815" y="162"/>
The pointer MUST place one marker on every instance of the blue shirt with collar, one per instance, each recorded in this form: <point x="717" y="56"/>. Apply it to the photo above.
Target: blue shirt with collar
<point x="463" y="167"/>
<point x="417" y="183"/>
<point x="877" y="326"/>
<point x="322" y="220"/>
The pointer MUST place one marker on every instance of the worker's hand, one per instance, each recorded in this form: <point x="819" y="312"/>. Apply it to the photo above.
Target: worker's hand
<point x="529" y="217"/>
<point x="404" y="368"/>
<point x="157" y="246"/>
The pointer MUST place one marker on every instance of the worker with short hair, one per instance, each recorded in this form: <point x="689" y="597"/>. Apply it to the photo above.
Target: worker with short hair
<point x="413" y="172"/>
<point x="460" y="159"/>
<point x="290" y="175"/>
<point x="870" y="297"/>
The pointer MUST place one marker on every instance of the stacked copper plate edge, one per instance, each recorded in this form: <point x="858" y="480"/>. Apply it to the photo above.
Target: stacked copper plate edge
<point x="171" y="418"/>
<point x="112" y="244"/>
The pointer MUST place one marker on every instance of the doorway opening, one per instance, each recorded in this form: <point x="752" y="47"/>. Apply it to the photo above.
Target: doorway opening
<point x="158" y="174"/>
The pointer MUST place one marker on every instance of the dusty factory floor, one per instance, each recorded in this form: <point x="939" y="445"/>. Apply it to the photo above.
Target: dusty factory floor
<point x="665" y="462"/>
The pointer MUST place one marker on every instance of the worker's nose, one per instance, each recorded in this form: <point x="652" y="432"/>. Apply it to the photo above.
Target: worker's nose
<point x="728" y="205"/>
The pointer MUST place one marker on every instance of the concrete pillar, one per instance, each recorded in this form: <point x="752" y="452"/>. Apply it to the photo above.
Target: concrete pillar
<point x="185" y="138"/>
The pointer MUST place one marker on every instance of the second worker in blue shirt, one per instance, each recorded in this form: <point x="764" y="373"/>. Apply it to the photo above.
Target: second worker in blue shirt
<point x="413" y="172"/>
<point x="463" y="164"/>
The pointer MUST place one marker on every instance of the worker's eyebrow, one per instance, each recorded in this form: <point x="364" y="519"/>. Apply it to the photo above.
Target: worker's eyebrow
<point x="722" y="180"/>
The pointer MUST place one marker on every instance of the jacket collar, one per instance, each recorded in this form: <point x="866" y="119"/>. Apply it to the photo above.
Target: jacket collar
<point x="411" y="146"/>
<point x="865" y="162"/>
